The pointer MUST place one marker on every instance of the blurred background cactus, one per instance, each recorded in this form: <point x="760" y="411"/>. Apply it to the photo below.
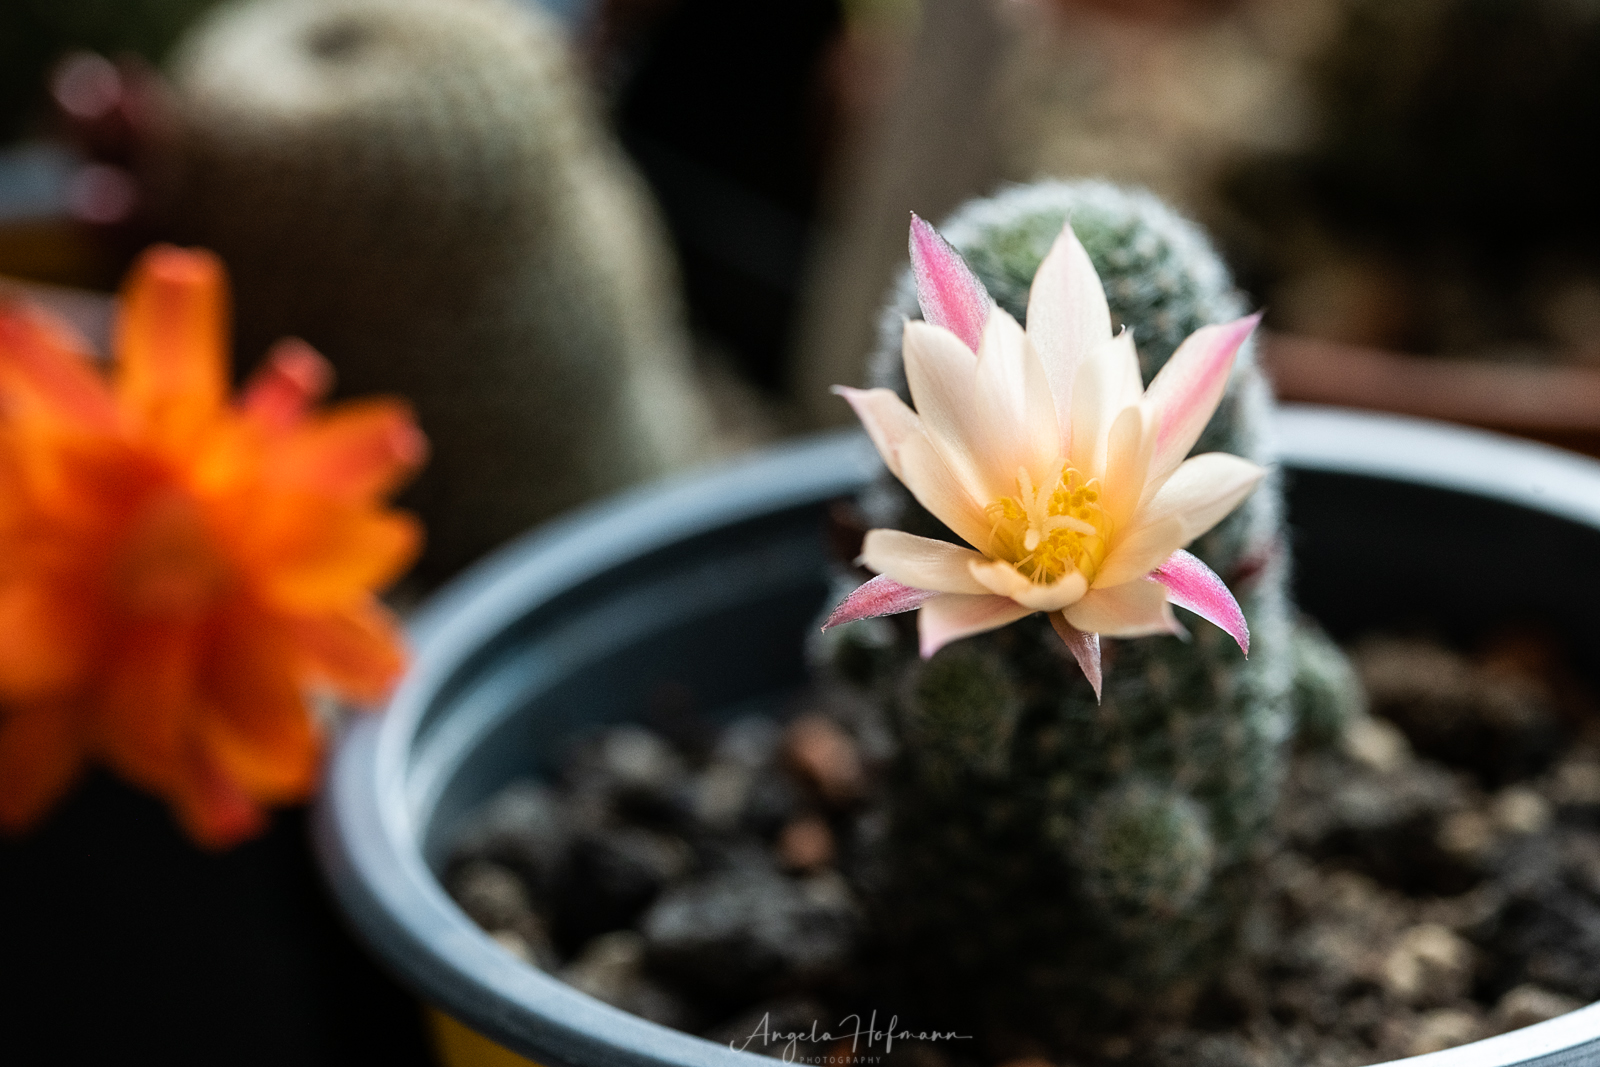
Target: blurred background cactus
<point x="421" y="190"/>
<point x="1074" y="859"/>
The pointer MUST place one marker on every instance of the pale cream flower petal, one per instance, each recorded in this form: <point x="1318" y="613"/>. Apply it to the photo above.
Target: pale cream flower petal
<point x="1128" y="451"/>
<point x="1141" y="551"/>
<point x="1107" y="382"/>
<point x="1125" y="354"/>
<point x="1195" y="498"/>
<point x="924" y="472"/>
<point x="896" y="431"/>
<point x="950" y="616"/>
<point x="886" y="419"/>
<point x="1002" y="578"/>
<point x="921" y="562"/>
<point x="1015" y="412"/>
<point x="1201" y="492"/>
<point x="1185" y="393"/>
<point x="942" y="373"/>
<point x="1132" y="609"/>
<point x="1067" y="316"/>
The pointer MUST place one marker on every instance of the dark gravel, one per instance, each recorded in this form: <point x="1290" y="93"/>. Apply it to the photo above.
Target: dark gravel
<point x="1437" y="880"/>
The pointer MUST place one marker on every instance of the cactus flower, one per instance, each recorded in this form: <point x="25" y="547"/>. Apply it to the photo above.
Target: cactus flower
<point x="178" y="570"/>
<point x="1042" y="450"/>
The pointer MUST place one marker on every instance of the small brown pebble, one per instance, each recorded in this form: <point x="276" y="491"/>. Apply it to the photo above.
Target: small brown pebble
<point x="1429" y="964"/>
<point x="1442" y="1029"/>
<point x="1529" y="1004"/>
<point x="1336" y="950"/>
<point x="491" y="895"/>
<point x="1467" y="834"/>
<point x="844" y="1051"/>
<point x="826" y="757"/>
<point x="495" y="899"/>
<point x="1517" y="809"/>
<point x="1377" y="744"/>
<point x="1349" y="892"/>
<point x="721" y="795"/>
<point x="1577" y="782"/>
<point x="608" y="967"/>
<point x="515" y="944"/>
<point x="1528" y="653"/>
<point x="805" y="844"/>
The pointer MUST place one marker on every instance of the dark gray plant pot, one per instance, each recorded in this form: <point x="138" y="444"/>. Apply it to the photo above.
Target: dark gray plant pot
<point x="705" y="588"/>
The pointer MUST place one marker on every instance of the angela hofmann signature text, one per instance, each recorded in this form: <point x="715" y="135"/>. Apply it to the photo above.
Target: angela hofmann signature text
<point x="863" y="1040"/>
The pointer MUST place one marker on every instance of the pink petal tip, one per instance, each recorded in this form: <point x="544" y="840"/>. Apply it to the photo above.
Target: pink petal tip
<point x="289" y="381"/>
<point x="877" y="597"/>
<point x="949" y="293"/>
<point x="1195" y="587"/>
<point x="1199" y="379"/>
<point x="1085" y="648"/>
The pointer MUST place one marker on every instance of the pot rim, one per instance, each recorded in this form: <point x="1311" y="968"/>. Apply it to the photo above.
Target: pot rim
<point x="366" y="821"/>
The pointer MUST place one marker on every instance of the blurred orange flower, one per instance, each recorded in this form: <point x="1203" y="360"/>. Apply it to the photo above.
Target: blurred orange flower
<point x="178" y="571"/>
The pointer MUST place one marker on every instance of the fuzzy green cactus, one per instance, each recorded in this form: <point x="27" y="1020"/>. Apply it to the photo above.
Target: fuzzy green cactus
<point x="424" y="191"/>
<point x="1070" y="858"/>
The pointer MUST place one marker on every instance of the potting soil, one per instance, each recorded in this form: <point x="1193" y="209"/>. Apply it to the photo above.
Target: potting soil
<point x="1436" y="880"/>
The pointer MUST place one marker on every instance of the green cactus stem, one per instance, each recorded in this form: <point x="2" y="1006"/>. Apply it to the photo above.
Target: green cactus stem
<point x="1055" y="864"/>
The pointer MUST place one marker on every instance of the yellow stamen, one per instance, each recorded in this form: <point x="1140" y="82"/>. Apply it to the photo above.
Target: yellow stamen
<point x="1049" y="531"/>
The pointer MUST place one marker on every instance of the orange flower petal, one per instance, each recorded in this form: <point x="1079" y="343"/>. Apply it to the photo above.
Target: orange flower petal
<point x="40" y="754"/>
<point x="336" y="555"/>
<point x="47" y="636"/>
<point x="76" y="486"/>
<point x="255" y="725"/>
<point x="359" y="651"/>
<point x="267" y="745"/>
<point x="46" y="371"/>
<point x="173" y="568"/>
<point x="147" y="702"/>
<point x="360" y="451"/>
<point x="171" y="344"/>
<point x="215" y="812"/>
<point x="292" y="378"/>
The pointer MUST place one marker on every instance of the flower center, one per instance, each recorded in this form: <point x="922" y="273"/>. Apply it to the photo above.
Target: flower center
<point x="1049" y="531"/>
<point x="167" y="565"/>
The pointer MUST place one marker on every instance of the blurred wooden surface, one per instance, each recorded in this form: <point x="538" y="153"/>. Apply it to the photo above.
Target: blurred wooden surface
<point x="1555" y="403"/>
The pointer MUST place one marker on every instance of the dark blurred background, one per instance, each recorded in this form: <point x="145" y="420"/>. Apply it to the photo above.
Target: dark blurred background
<point x="1396" y="178"/>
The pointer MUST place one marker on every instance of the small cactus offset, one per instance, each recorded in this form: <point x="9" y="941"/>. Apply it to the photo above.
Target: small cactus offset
<point x="1076" y="858"/>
